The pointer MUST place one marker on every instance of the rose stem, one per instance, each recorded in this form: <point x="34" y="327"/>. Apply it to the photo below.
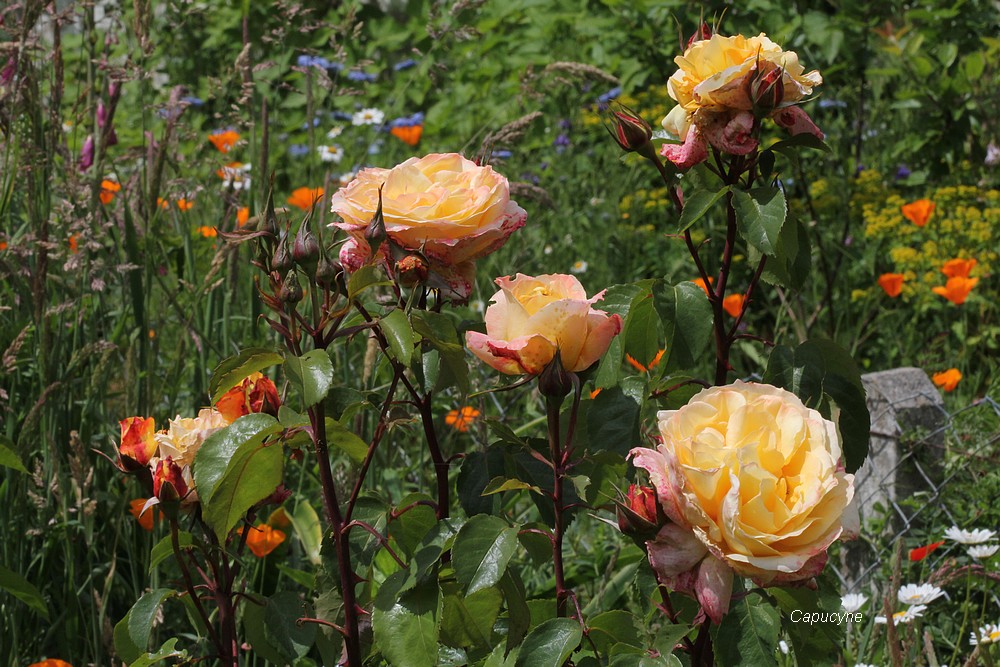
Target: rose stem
<point x="558" y="470"/>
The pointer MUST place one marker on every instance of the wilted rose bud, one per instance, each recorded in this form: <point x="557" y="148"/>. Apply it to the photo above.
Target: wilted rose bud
<point x="412" y="270"/>
<point x="168" y="481"/>
<point x="138" y="443"/>
<point x="640" y="514"/>
<point x="630" y="131"/>
<point x="305" y="251"/>
<point x="555" y="381"/>
<point x="255" y="394"/>
<point x="326" y="271"/>
<point x="766" y="90"/>
<point x="291" y="291"/>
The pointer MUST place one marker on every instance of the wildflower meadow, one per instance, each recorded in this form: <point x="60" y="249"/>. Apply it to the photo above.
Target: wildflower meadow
<point x="503" y="334"/>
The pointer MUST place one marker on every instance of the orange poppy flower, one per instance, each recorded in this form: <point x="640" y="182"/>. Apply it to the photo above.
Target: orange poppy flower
<point x="892" y="283"/>
<point x="224" y="140"/>
<point x="918" y="212"/>
<point x="162" y="203"/>
<point x="242" y="215"/>
<point x="921" y="553"/>
<point x="146" y="518"/>
<point x="594" y="394"/>
<point x="410" y="134"/>
<point x="956" y="289"/>
<point x="108" y="190"/>
<point x="263" y="539"/>
<point x="3" y="245"/>
<point x="208" y="232"/>
<point x="279" y="519"/>
<point x="462" y="419"/>
<point x="74" y="244"/>
<point x="948" y="379"/>
<point x="51" y="662"/>
<point x="958" y="268"/>
<point x="700" y="282"/>
<point x="652" y="364"/>
<point x="733" y="304"/>
<point x="305" y="198"/>
<point x="185" y="204"/>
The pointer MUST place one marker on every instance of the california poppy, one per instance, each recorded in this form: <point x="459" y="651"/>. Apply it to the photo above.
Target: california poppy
<point x="263" y="539"/>
<point x="956" y="289"/>
<point x="700" y="282"/>
<point x="51" y="662"/>
<point x="74" y="244"/>
<point x="305" y="198"/>
<point x="242" y="215"/>
<point x="918" y="212"/>
<point x="921" y="553"/>
<point x="892" y="283"/>
<point x="639" y="367"/>
<point x="146" y="518"/>
<point x="733" y="304"/>
<point x="185" y="205"/>
<point x="462" y="419"/>
<point x="162" y="203"/>
<point x="958" y="268"/>
<point x="208" y="232"/>
<point x="108" y="190"/>
<point x="948" y="379"/>
<point x="408" y="134"/>
<point x="224" y="140"/>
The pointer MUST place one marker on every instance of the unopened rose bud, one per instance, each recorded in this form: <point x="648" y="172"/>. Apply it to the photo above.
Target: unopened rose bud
<point x="412" y="270"/>
<point x="630" y="131"/>
<point x="305" y="250"/>
<point x="766" y="90"/>
<point x="703" y="32"/>
<point x="375" y="233"/>
<point x="169" y="484"/>
<point x="326" y="271"/>
<point x="291" y="291"/>
<point x="640" y="514"/>
<point x="555" y="381"/>
<point x="281" y="261"/>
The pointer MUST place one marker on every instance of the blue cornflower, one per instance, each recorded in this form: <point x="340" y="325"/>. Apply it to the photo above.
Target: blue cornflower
<point x="313" y="61"/>
<point x="561" y="140"/>
<point x="501" y="155"/>
<point x="826" y="103"/>
<point x="298" y="150"/>
<point x="610" y="95"/>
<point x="340" y="115"/>
<point x="902" y="172"/>
<point x="192" y="100"/>
<point x="356" y="75"/>
<point x="565" y="124"/>
<point x="404" y="64"/>
<point x="406" y="121"/>
<point x="315" y="123"/>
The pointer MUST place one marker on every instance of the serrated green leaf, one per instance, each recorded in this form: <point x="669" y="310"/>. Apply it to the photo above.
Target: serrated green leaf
<point x="748" y="634"/>
<point x="482" y="550"/>
<point x="164" y="549"/>
<point x="167" y="651"/>
<point x="687" y="323"/>
<point x="641" y="330"/>
<point x="253" y="474"/>
<point x="760" y="214"/>
<point x="399" y="334"/>
<point x="312" y="375"/>
<point x="613" y="627"/>
<point x="406" y="625"/>
<point x="550" y="644"/>
<point x="345" y="440"/>
<point x="215" y="454"/>
<point x="308" y="529"/>
<point x="518" y="614"/>
<point x="365" y="278"/>
<point x="613" y="421"/>
<point x="467" y="621"/>
<point x="697" y="205"/>
<point x="230" y="372"/>
<point x="272" y="631"/>
<point x="501" y="483"/>
<point x="131" y="634"/>
<point x="23" y="590"/>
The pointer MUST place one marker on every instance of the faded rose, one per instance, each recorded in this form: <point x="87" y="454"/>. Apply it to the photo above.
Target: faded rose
<point x="183" y="439"/>
<point x="443" y="206"/>
<point x="723" y="85"/>
<point x="531" y="318"/>
<point x="751" y="479"/>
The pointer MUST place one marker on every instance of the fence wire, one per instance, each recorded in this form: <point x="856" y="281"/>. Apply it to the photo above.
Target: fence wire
<point x="910" y="498"/>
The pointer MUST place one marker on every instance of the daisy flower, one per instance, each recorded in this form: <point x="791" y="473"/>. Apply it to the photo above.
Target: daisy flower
<point x="918" y="594"/>
<point x="330" y="153"/>
<point x="988" y="634"/>
<point x="910" y="613"/>
<point x="579" y="266"/>
<point x="334" y="131"/>
<point x="346" y="178"/>
<point x="981" y="551"/>
<point x="370" y="116"/>
<point x="977" y="536"/>
<point x="853" y="602"/>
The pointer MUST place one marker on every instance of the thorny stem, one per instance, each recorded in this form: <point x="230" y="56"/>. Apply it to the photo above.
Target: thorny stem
<point x="555" y="452"/>
<point x="189" y="583"/>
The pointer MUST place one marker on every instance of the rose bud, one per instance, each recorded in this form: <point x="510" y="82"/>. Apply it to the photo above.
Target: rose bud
<point x="554" y="381"/>
<point x="138" y="443"/>
<point x="326" y="271"/>
<point x="282" y="259"/>
<point x="640" y="514"/>
<point x="703" y="32"/>
<point x="168" y="481"/>
<point x="291" y="291"/>
<point x="766" y="90"/>
<point x="630" y="131"/>
<point x="255" y="394"/>
<point x="412" y="270"/>
<point x="305" y="251"/>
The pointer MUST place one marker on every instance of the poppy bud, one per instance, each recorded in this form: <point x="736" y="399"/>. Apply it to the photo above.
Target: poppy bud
<point x="640" y="514"/>
<point x="630" y="131"/>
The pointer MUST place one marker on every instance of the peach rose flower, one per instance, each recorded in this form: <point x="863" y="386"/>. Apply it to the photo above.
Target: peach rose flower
<point x="723" y="85"/>
<point x="751" y="479"/>
<point x="442" y="206"/>
<point x="182" y="440"/>
<point x="531" y="318"/>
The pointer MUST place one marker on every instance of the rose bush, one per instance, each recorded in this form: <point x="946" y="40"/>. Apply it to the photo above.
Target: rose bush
<point x="533" y="317"/>
<point x="752" y="481"/>
<point x="442" y="206"/>
<point x="723" y="85"/>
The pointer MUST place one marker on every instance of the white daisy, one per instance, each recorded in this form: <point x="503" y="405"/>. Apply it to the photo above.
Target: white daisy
<point x="235" y="176"/>
<point x="910" y="613"/>
<point x="863" y="664"/>
<point x="370" y="116"/>
<point x="335" y="132"/>
<point x="988" y="634"/>
<point x="330" y="153"/>
<point x="346" y="178"/>
<point x="853" y="602"/>
<point x="977" y="536"/>
<point x="918" y="593"/>
<point x="981" y="551"/>
<point x="547" y="250"/>
<point x="579" y="266"/>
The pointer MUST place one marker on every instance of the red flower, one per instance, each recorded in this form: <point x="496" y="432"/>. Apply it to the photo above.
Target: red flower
<point x="921" y="553"/>
<point x="255" y="394"/>
<point x="137" y="441"/>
